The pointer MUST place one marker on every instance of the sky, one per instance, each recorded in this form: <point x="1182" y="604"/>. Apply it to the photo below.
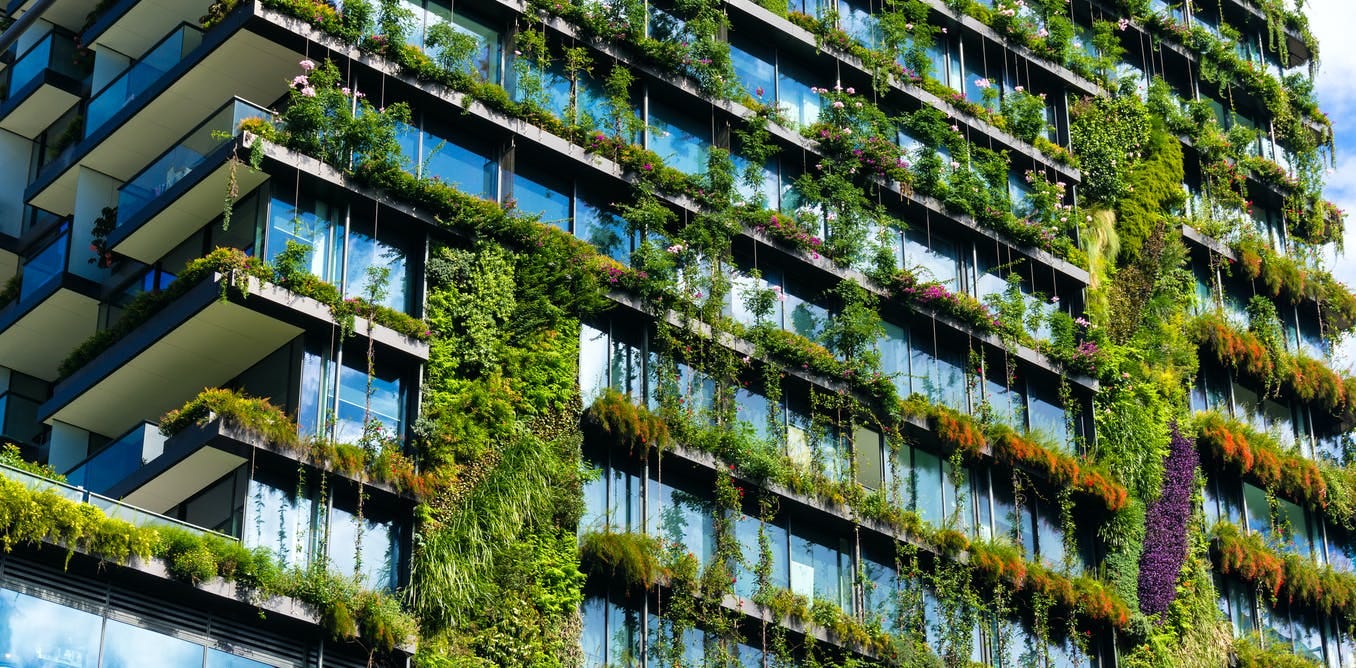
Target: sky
<point x="1332" y="22"/>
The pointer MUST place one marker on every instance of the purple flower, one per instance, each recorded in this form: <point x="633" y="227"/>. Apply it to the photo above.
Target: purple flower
<point x="1165" y="525"/>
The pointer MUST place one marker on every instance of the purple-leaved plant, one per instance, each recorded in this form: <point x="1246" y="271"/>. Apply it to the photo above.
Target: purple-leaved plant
<point x="1165" y="525"/>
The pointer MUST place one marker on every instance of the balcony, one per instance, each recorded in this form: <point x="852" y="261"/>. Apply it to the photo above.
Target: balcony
<point x="53" y="311"/>
<point x="69" y="14"/>
<point x="127" y="453"/>
<point x="176" y="194"/>
<point x="140" y="76"/>
<point x="198" y="340"/>
<point x="198" y="456"/>
<point x="110" y="507"/>
<point x="44" y="83"/>
<point x="160" y="98"/>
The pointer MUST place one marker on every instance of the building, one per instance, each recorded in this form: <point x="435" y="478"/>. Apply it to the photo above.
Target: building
<point x="885" y="332"/>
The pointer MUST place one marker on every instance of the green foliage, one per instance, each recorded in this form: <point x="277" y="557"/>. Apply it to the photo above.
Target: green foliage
<point x="253" y="414"/>
<point x="1153" y="190"/>
<point x="12" y="456"/>
<point x="1109" y="135"/>
<point x="42" y="515"/>
<point x="631" y="559"/>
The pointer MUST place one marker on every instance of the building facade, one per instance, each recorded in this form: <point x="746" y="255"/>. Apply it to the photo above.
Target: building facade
<point x="737" y="333"/>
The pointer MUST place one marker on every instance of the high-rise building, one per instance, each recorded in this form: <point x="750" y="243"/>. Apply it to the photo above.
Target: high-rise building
<point x="670" y="333"/>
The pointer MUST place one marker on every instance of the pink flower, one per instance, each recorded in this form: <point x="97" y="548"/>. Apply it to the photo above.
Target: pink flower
<point x="850" y="91"/>
<point x="306" y="65"/>
<point x="308" y="91"/>
<point x="300" y="80"/>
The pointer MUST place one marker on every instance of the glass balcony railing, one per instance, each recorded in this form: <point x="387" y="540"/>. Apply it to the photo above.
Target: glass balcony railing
<point x="45" y="266"/>
<point x="119" y="459"/>
<point x="184" y="157"/>
<point x="140" y="76"/>
<point x="55" y="52"/>
<point x="35" y="218"/>
<point x="110" y="507"/>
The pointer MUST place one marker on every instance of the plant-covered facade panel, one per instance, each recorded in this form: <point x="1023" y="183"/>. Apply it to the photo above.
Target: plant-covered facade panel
<point x="939" y="333"/>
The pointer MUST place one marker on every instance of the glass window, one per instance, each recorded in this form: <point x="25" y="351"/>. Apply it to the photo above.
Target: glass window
<point x="36" y="632"/>
<point x="385" y="402"/>
<point x="363" y="547"/>
<point x="593" y="363"/>
<point x="470" y="170"/>
<point x="682" y="141"/>
<point x="607" y="232"/>
<point x="929" y="484"/>
<point x="682" y="518"/>
<point x="753" y="410"/>
<point x="754" y="66"/>
<point x="803" y="316"/>
<point x="868" y="445"/>
<point x="539" y="195"/>
<point x="1257" y="508"/>
<point x="281" y="522"/>
<point x="377" y="266"/>
<point x="1299" y="538"/>
<point x="820" y="567"/>
<point x="880" y="588"/>
<point x="316" y="224"/>
<point x="856" y="20"/>
<point x="933" y="258"/>
<point x="893" y="346"/>
<point x="127" y="646"/>
<point x="794" y="97"/>
<point x="1046" y="416"/>
<point x="746" y="534"/>
<point x="593" y="634"/>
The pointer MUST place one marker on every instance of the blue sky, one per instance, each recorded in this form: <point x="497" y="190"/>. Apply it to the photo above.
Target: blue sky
<point x="1334" y="24"/>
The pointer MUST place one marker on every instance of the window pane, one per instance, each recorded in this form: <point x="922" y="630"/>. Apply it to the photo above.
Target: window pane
<point x="376" y="562"/>
<point x="535" y="197"/>
<point x="928" y="484"/>
<point x="279" y="521"/>
<point x="41" y="633"/>
<point x="127" y="646"/>
<point x="679" y="139"/>
<point x="467" y="170"/>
